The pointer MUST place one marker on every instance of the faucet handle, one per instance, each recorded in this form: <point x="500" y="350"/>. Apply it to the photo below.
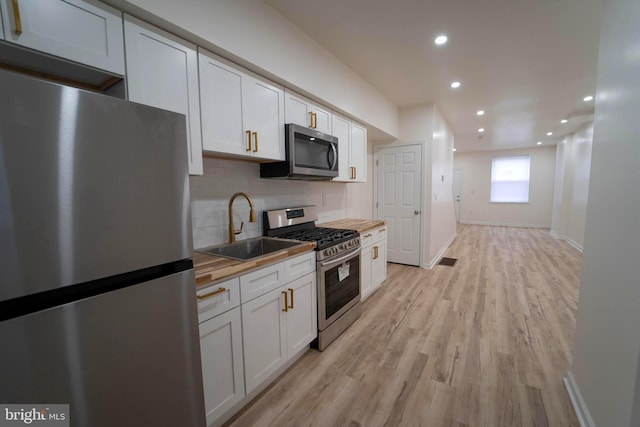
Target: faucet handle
<point x="240" y="230"/>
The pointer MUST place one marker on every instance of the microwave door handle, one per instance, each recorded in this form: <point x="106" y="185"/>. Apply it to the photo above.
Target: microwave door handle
<point x="335" y="156"/>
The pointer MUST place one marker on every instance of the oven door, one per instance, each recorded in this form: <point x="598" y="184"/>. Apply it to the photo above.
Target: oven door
<point x="338" y="286"/>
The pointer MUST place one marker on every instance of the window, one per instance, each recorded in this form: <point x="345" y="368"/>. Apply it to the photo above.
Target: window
<point x="510" y="179"/>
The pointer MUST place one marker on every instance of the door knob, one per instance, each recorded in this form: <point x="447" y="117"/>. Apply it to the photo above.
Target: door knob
<point x="416" y="212"/>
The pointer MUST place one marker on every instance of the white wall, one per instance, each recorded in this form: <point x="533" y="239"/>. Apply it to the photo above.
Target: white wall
<point x="443" y="215"/>
<point x="573" y="164"/>
<point x="475" y="207"/>
<point x="607" y="343"/>
<point x="255" y="34"/>
<point x="426" y="125"/>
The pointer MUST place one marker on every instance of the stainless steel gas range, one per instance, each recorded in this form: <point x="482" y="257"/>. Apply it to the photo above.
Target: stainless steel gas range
<point x="337" y="266"/>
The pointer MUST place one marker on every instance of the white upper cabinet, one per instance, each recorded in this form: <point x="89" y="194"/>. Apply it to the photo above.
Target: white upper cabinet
<point x="358" y="153"/>
<point x="352" y="150"/>
<point x="162" y="71"/>
<point x="87" y="32"/>
<point x="303" y="112"/>
<point x="242" y="113"/>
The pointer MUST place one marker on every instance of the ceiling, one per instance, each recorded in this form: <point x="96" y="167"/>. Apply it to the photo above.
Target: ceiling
<point x="526" y="63"/>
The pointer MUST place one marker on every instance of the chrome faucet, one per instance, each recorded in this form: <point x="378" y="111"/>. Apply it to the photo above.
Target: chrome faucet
<point x="252" y="216"/>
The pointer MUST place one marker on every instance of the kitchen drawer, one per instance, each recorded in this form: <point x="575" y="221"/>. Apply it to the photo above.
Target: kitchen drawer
<point x="218" y="298"/>
<point x="379" y="234"/>
<point x="299" y="266"/>
<point x="259" y="282"/>
<point x="372" y="236"/>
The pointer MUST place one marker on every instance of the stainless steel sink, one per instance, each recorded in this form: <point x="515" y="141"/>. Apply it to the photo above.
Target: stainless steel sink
<point x="245" y="250"/>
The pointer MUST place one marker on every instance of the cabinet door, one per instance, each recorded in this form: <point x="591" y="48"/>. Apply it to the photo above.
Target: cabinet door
<point x="366" y="284"/>
<point x="358" y="152"/>
<point x="88" y="32"/>
<point x="221" y="352"/>
<point x="221" y="106"/>
<point x="162" y="71"/>
<point x="379" y="264"/>
<point x="263" y="337"/>
<point x="342" y="130"/>
<point x="297" y="110"/>
<point x="322" y="119"/>
<point x="263" y="107"/>
<point x="302" y="313"/>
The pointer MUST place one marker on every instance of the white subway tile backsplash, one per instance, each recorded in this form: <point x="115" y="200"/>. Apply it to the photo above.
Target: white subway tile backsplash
<point x="222" y="178"/>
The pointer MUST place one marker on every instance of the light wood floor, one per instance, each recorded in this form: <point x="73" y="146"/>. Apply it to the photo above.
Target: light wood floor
<point x="484" y="343"/>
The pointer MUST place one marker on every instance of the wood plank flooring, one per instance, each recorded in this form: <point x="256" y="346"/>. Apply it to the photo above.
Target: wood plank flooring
<point x="484" y="343"/>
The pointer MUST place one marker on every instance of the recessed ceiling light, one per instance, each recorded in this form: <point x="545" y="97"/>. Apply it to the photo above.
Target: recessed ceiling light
<point x="549" y="133"/>
<point x="539" y="143"/>
<point x="481" y="130"/>
<point x="588" y="98"/>
<point x="441" y="39"/>
<point x="455" y="85"/>
<point x="454" y="150"/>
<point x="480" y="112"/>
<point x="563" y="121"/>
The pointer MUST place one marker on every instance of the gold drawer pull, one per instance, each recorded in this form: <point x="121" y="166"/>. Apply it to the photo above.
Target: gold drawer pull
<point x="353" y="172"/>
<point x="248" y="140"/>
<point x="16" y="17"/>
<point x="291" y="293"/>
<point x="255" y="138"/>
<point x="368" y="235"/>
<point x="286" y="301"/>
<point x="310" y="119"/>
<point x="210" y="294"/>
<point x="375" y="252"/>
<point x="380" y="231"/>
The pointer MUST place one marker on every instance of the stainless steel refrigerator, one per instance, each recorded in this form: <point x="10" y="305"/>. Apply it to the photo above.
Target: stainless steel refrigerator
<point x="97" y="297"/>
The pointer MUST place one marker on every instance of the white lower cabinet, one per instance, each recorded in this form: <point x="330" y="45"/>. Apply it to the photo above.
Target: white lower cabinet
<point x="222" y="373"/>
<point x="374" y="260"/>
<point x="264" y="337"/>
<point x="221" y="346"/>
<point x="276" y="326"/>
<point x="251" y="326"/>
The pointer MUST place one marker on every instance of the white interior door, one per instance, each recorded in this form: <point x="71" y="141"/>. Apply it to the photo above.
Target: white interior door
<point x="399" y="201"/>
<point x="457" y="191"/>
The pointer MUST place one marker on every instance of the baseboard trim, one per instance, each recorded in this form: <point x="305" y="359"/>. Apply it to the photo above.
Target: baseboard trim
<point x="436" y="259"/>
<point x="579" y="406"/>
<point x="505" y="224"/>
<point x="568" y="240"/>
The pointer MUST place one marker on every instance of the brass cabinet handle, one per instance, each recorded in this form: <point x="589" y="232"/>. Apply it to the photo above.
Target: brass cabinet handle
<point x="210" y="294"/>
<point x="291" y="293"/>
<point x="375" y="252"/>
<point x="381" y="230"/>
<point x="16" y="17"/>
<point x="310" y="119"/>
<point x="248" y="140"/>
<point x="255" y="138"/>
<point x="368" y="235"/>
<point x="286" y="301"/>
<point x="315" y="121"/>
<point x="353" y="172"/>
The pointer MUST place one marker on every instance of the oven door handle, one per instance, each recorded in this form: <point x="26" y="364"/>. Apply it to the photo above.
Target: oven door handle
<point x="331" y="263"/>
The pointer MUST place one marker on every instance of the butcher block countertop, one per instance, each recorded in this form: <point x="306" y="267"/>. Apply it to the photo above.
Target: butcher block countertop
<point x="360" y="225"/>
<point x="210" y="267"/>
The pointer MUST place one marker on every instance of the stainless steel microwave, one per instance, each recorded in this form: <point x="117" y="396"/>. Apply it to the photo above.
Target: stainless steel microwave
<point x="310" y="155"/>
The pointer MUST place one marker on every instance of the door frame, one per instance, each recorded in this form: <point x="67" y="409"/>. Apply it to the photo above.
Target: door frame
<point x="454" y="200"/>
<point x="376" y="215"/>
